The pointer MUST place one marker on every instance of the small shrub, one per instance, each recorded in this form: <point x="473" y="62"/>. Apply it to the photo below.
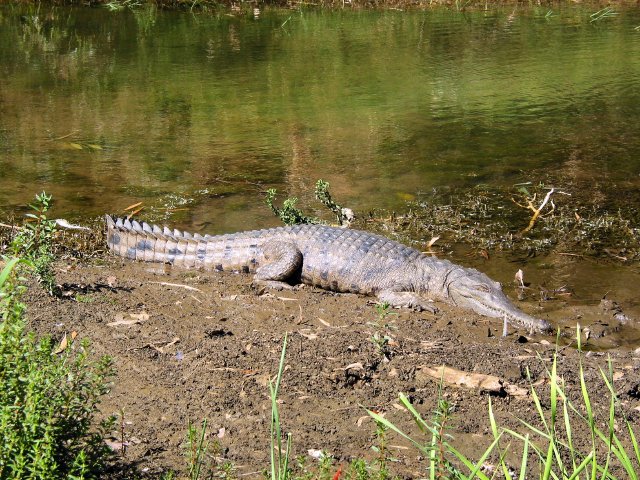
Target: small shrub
<point x="48" y="399"/>
<point x="34" y="242"/>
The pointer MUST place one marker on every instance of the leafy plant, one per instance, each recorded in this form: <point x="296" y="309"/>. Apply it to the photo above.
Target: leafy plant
<point x="34" y="242"/>
<point x="343" y="215"/>
<point x="48" y="398"/>
<point x="380" y="338"/>
<point x="289" y="214"/>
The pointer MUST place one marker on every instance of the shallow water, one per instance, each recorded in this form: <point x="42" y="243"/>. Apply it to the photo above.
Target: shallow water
<point x="196" y="115"/>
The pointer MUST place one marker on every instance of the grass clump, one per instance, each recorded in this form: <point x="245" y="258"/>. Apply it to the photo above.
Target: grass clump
<point x="48" y="399"/>
<point x="546" y="451"/>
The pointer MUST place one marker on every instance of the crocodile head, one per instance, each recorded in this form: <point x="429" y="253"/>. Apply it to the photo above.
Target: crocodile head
<point x="469" y="288"/>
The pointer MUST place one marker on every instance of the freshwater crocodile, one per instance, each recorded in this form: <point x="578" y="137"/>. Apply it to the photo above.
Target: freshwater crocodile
<point x="337" y="259"/>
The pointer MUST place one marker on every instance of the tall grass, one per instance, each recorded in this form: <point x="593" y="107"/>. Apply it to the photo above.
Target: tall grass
<point x="553" y="454"/>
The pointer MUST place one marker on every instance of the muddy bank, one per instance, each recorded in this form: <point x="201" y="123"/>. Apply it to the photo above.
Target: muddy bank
<point x="191" y="345"/>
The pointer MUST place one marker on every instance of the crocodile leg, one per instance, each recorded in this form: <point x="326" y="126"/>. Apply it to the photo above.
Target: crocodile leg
<point x="407" y="300"/>
<point x="282" y="260"/>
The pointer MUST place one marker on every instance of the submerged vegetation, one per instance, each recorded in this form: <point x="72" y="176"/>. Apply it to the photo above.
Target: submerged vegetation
<point x="574" y="221"/>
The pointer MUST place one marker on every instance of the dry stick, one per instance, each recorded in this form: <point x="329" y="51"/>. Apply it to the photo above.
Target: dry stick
<point x="179" y="285"/>
<point x="536" y="212"/>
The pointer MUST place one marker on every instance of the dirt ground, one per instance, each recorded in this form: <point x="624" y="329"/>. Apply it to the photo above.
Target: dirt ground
<point x="192" y="345"/>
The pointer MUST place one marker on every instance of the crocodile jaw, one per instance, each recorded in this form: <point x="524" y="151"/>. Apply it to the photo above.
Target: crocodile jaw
<point x="477" y="292"/>
<point x="499" y="306"/>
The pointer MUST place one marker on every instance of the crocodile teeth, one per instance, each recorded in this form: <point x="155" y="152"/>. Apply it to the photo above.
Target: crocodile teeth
<point x="146" y="227"/>
<point x="177" y="233"/>
<point x="157" y="229"/>
<point x="136" y="226"/>
<point x="166" y="231"/>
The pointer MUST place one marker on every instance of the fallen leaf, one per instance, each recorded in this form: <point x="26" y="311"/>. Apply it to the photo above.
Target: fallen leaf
<point x="310" y="336"/>
<point x="470" y="380"/>
<point x="286" y="299"/>
<point x="63" y="345"/>
<point x="313" y="453"/>
<point x="354" y="366"/>
<point x="515" y="391"/>
<point x="365" y="417"/>
<point x="134" y="318"/>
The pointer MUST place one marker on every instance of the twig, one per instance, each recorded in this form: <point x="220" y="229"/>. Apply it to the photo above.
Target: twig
<point x="536" y="212"/>
<point x="187" y="287"/>
<point x="12" y="227"/>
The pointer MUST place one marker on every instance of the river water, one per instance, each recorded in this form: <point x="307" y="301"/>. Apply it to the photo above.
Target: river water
<point x="195" y="115"/>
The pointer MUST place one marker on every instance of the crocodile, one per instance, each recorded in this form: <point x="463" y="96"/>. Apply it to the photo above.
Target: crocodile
<point x="332" y="258"/>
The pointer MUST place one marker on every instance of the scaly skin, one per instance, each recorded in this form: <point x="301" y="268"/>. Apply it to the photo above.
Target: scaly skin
<point x="337" y="259"/>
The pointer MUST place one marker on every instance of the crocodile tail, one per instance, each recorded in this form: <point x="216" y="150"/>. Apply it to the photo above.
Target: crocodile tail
<point x="150" y="243"/>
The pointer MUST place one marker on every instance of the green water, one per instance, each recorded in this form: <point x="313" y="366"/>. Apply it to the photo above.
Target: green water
<point x="196" y="115"/>
<point x="171" y="108"/>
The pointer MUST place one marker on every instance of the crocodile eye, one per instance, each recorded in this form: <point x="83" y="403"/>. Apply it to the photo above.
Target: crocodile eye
<point x="481" y="287"/>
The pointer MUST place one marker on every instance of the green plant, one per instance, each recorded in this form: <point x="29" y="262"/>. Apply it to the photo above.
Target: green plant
<point x="606" y="12"/>
<point x="382" y="451"/>
<point x="438" y="449"/>
<point x="279" y="458"/>
<point x="48" y="399"/>
<point x="289" y="214"/>
<point x="34" y="242"/>
<point x="343" y="215"/>
<point x="196" y="449"/>
<point x="558" y="457"/>
<point x="380" y="337"/>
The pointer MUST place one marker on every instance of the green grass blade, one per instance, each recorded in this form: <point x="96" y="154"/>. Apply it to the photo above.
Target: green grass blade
<point x="422" y="425"/>
<point x="578" y="470"/>
<point x="383" y="421"/>
<point x="548" y="461"/>
<point x="634" y="441"/>
<point x="525" y="458"/>
<point x="6" y="271"/>
<point x="496" y="435"/>
<point x="473" y="469"/>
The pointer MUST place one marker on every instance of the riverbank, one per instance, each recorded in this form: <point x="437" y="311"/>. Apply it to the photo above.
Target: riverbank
<point x="189" y="346"/>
